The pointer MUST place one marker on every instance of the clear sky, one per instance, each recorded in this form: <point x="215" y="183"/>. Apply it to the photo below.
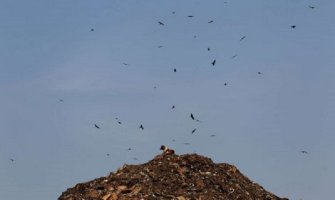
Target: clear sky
<point x="261" y="122"/>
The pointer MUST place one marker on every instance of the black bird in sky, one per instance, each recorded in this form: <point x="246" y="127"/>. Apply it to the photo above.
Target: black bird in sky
<point x="293" y="26"/>
<point x="175" y="70"/>
<point x="190" y="16"/>
<point x="107" y="154"/>
<point x="194" y="130"/>
<point x="173" y="12"/>
<point x="242" y="38"/>
<point x="129" y="149"/>
<point x="119" y="122"/>
<point x="173" y="107"/>
<point x="208" y="49"/>
<point x="141" y="127"/>
<point x="159" y="46"/>
<point x="11" y="159"/>
<point x="225" y="84"/>
<point x="192" y="116"/>
<point x="92" y="29"/>
<point x="234" y="56"/>
<point x="213" y="135"/>
<point x="312" y="7"/>
<point x="161" y="23"/>
<point x="60" y="100"/>
<point x="259" y="72"/>
<point x="211" y="21"/>
<point x="96" y="126"/>
<point x="304" y="152"/>
<point x="213" y="63"/>
<point x="125" y="64"/>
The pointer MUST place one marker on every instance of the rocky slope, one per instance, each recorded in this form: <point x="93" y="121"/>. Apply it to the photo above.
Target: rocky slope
<point x="179" y="177"/>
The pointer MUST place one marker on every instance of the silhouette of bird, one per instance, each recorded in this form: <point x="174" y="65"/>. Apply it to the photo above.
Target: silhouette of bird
<point x="92" y="29"/>
<point x="194" y="36"/>
<point x="293" y="26"/>
<point x="125" y="64"/>
<point x="161" y="23"/>
<point x="190" y="16"/>
<point x="119" y="122"/>
<point x="234" y="56"/>
<point x="304" y="152"/>
<point x="211" y="21"/>
<point x="242" y="38"/>
<point x="259" y="72"/>
<point x="96" y="126"/>
<point x="312" y="7"/>
<point x="173" y="12"/>
<point x="175" y="70"/>
<point x="173" y="107"/>
<point x="107" y="154"/>
<point x="213" y="63"/>
<point x="11" y="159"/>
<point x="141" y="127"/>
<point x="194" y="130"/>
<point x="225" y="84"/>
<point x="60" y="100"/>
<point x="208" y="49"/>
<point x="129" y="149"/>
<point x="159" y="46"/>
<point x="192" y="116"/>
<point x="213" y="135"/>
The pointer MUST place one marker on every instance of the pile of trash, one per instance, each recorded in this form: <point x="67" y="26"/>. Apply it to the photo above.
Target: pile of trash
<point x="171" y="176"/>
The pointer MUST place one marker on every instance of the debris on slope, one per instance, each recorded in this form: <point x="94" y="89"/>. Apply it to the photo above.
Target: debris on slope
<point x="176" y="177"/>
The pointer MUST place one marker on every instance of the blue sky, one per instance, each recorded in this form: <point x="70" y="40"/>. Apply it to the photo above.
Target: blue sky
<point x="260" y="121"/>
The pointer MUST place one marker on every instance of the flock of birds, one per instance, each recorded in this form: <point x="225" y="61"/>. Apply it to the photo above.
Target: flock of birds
<point x="213" y="63"/>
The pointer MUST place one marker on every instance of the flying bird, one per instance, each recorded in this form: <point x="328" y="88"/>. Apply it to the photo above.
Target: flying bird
<point x="107" y="154"/>
<point x="173" y="12"/>
<point x="60" y="100"/>
<point x="225" y="84"/>
<point x="92" y="29"/>
<point x="194" y="130"/>
<point x="234" y="56"/>
<point x="213" y="63"/>
<point x="208" y="49"/>
<point x="175" y="70"/>
<point x="293" y="26"/>
<point x="129" y="149"/>
<point x="161" y="23"/>
<point x="213" y="135"/>
<point x="96" y="126"/>
<point x="125" y="64"/>
<point x="259" y="72"/>
<point x="190" y="16"/>
<point x="11" y="159"/>
<point x="211" y="21"/>
<point x="173" y="107"/>
<point x="304" y="152"/>
<point x="141" y="127"/>
<point x="242" y="38"/>
<point x="119" y="122"/>
<point x="159" y="46"/>
<point x="192" y="116"/>
<point x="312" y="7"/>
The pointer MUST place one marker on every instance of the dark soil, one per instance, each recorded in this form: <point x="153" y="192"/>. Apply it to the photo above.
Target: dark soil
<point x="179" y="177"/>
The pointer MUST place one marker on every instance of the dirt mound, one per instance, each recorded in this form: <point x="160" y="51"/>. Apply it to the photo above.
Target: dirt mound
<point x="179" y="177"/>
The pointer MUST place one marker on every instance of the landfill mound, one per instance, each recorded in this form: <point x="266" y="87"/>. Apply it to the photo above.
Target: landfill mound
<point x="179" y="177"/>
